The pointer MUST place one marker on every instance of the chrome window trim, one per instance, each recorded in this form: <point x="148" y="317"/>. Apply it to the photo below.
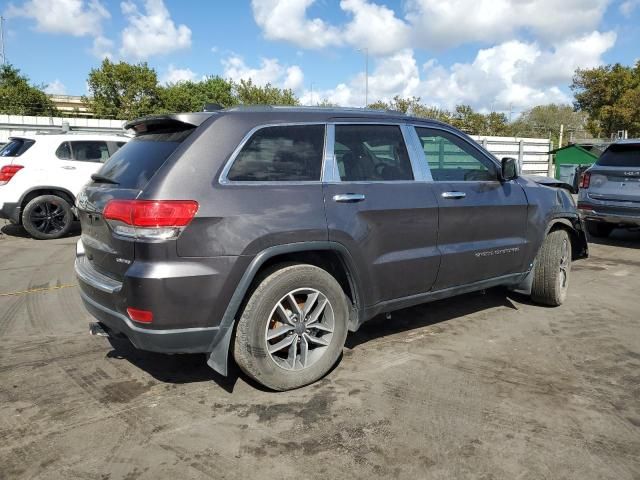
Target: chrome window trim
<point x="416" y="152"/>
<point x="223" y="180"/>
<point x="418" y="175"/>
<point x="473" y="145"/>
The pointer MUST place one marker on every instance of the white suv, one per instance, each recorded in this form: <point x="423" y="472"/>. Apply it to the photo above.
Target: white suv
<point x="41" y="175"/>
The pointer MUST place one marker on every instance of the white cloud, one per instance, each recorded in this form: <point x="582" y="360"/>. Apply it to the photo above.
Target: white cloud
<point x="513" y="74"/>
<point x="56" y="88"/>
<point x="270" y="71"/>
<point x="70" y="17"/>
<point x="627" y="7"/>
<point x="102" y="48"/>
<point x="151" y="33"/>
<point x="438" y="24"/>
<point x="177" y="75"/>
<point x="375" y="27"/>
<point x="394" y="75"/>
<point x="429" y="24"/>
<point x="287" y="20"/>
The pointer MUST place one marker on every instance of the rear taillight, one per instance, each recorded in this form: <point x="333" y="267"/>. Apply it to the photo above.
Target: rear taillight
<point x="150" y="219"/>
<point x="585" y="180"/>
<point x="7" y="172"/>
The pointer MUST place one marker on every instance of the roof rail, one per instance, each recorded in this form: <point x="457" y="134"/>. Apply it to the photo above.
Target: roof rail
<point x="309" y="108"/>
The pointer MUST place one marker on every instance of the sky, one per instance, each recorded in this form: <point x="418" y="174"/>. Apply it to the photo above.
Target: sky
<point x="495" y="55"/>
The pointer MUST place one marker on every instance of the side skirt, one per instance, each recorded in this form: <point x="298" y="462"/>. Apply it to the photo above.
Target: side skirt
<point x="406" y="302"/>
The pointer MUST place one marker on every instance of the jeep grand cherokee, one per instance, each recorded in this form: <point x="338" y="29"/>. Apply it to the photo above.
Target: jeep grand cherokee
<point x="272" y="232"/>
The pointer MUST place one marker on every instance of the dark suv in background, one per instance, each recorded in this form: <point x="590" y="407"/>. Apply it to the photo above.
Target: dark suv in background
<point x="610" y="190"/>
<point x="274" y="231"/>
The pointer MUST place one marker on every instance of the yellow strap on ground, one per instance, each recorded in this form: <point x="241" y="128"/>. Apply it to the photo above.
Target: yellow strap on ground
<point x="36" y="290"/>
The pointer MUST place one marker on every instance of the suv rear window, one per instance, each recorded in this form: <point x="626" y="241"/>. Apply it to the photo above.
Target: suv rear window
<point x="281" y="154"/>
<point x="621" y="155"/>
<point x="133" y="165"/>
<point x="16" y="147"/>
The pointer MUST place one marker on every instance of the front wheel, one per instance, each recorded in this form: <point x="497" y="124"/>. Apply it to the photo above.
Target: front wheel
<point x="47" y="217"/>
<point x="552" y="268"/>
<point x="292" y="328"/>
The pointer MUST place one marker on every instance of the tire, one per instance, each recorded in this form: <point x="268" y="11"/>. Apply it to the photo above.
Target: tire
<point x="552" y="269"/>
<point x="599" y="229"/>
<point x="270" y="310"/>
<point x="47" y="217"/>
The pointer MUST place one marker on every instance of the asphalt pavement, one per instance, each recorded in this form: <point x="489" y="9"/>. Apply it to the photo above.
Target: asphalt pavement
<point x="484" y="386"/>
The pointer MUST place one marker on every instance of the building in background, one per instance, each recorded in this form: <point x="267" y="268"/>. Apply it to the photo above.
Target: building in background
<point x="71" y="105"/>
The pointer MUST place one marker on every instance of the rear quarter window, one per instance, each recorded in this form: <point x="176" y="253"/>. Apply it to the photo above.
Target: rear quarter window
<point x="16" y="147"/>
<point x="280" y="154"/>
<point x="133" y="165"/>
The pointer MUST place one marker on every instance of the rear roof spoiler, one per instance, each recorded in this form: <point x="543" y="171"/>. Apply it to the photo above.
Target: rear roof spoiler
<point x="195" y="119"/>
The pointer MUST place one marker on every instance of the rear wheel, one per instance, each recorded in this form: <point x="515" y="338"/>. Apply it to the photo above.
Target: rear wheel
<point x="599" y="229"/>
<point x="292" y="328"/>
<point x="47" y="217"/>
<point x="552" y="268"/>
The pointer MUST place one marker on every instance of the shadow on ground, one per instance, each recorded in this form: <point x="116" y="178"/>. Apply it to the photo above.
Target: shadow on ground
<point x="619" y="238"/>
<point x="192" y="368"/>
<point x="12" y="230"/>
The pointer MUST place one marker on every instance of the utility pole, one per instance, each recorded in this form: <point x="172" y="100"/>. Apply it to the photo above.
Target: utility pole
<point x="311" y="95"/>
<point x="561" y="133"/>
<point x="4" y="57"/>
<point x="366" y="75"/>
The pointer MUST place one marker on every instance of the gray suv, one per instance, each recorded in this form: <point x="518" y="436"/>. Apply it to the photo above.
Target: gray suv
<point x="269" y="233"/>
<point x="610" y="190"/>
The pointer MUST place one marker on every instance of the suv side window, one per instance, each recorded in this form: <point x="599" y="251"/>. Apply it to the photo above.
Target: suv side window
<point x="371" y="153"/>
<point x="90" y="151"/>
<point x="290" y="153"/>
<point x="64" y="151"/>
<point x="451" y="159"/>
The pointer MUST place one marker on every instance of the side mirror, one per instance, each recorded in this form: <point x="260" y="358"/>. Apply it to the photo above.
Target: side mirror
<point x="509" y="169"/>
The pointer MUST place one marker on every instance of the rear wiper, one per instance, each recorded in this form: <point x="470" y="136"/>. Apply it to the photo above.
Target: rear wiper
<point x="102" y="179"/>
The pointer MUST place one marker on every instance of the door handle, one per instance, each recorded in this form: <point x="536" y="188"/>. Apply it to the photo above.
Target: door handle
<point x="67" y="167"/>
<point x="453" y="195"/>
<point x="348" y="197"/>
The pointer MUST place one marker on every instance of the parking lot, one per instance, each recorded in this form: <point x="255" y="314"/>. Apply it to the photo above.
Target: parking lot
<point x="482" y="386"/>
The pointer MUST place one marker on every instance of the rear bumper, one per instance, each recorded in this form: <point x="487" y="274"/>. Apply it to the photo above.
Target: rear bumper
<point x="617" y="215"/>
<point x="187" y="340"/>
<point x="185" y="297"/>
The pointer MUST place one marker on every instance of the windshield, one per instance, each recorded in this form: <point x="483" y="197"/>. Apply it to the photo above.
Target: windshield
<point x="133" y="165"/>
<point x="16" y="147"/>
<point x="621" y="155"/>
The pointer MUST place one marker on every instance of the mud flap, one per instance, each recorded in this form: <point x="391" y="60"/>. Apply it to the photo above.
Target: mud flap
<point x="219" y="356"/>
<point x="524" y="287"/>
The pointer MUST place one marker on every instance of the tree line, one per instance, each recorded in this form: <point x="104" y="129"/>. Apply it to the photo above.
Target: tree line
<point x="607" y="99"/>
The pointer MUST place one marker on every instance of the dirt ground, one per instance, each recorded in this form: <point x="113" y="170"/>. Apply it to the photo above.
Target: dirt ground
<point x="484" y="386"/>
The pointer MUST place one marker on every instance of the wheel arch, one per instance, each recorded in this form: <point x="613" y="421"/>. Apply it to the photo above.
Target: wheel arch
<point x="573" y="226"/>
<point x="331" y="256"/>
<point x="34" y="192"/>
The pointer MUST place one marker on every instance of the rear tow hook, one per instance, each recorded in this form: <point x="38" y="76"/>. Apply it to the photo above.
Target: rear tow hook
<point x="97" y="329"/>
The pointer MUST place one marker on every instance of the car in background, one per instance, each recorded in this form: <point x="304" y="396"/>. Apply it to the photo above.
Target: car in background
<point x="610" y="190"/>
<point x="41" y="175"/>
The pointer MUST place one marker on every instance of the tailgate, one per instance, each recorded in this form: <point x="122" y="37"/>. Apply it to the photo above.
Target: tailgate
<point x="109" y="254"/>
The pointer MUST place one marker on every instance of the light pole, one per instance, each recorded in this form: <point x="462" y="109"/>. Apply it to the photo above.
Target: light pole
<point x="366" y="75"/>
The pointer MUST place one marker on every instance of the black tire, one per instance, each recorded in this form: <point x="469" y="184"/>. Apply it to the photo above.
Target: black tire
<point x="552" y="269"/>
<point x="599" y="229"/>
<point x="251" y="346"/>
<point x="47" y="217"/>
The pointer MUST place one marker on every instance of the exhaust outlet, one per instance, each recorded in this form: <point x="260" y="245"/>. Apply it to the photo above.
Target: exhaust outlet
<point x="97" y="329"/>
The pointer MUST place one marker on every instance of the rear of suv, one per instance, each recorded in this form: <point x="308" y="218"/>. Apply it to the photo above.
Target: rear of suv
<point x="267" y="234"/>
<point x="610" y="190"/>
<point x="41" y="175"/>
